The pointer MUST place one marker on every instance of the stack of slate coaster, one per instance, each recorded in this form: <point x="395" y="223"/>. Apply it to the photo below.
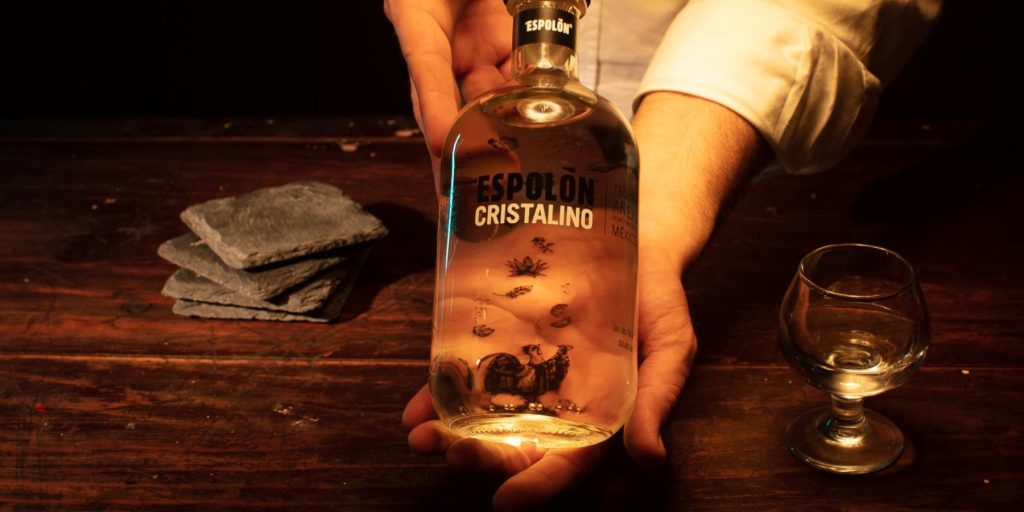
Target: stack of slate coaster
<point x="288" y="253"/>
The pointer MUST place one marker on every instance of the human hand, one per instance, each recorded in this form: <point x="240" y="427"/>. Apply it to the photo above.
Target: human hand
<point x="533" y="476"/>
<point x="455" y="50"/>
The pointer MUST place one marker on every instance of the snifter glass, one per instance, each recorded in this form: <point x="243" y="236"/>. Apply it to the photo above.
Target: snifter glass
<point x="854" y="324"/>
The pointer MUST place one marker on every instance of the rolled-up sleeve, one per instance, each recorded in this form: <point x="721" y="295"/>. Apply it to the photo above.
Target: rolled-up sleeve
<point x="806" y="75"/>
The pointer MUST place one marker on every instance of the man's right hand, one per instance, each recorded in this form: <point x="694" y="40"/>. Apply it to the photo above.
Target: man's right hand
<point x="455" y="50"/>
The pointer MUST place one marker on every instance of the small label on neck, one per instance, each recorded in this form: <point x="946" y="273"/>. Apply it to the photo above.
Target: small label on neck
<point x="545" y="25"/>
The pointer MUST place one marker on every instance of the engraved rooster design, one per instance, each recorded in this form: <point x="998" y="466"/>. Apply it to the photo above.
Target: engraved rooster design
<point x="505" y="373"/>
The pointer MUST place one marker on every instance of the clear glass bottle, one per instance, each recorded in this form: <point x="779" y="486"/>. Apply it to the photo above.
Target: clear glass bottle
<point x="534" y="335"/>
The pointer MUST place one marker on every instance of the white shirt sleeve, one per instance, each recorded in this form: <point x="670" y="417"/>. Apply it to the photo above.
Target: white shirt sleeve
<point x="806" y="74"/>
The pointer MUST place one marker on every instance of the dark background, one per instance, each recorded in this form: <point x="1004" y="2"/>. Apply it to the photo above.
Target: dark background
<point x="196" y="59"/>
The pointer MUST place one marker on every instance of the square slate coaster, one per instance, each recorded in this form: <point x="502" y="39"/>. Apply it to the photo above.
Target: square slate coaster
<point x="281" y="223"/>
<point x="184" y="284"/>
<point x="191" y="253"/>
<point x="327" y="313"/>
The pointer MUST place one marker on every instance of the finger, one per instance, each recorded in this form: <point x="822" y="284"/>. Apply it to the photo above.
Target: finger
<point x="435" y="160"/>
<point x="415" y="100"/>
<point x="661" y="380"/>
<point x="668" y="347"/>
<point x="423" y="30"/>
<point x="486" y="457"/>
<point x="481" y="80"/>
<point x="437" y="98"/>
<point x="506" y="68"/>
<point x="479" y="54"/>
<point x="556" y="471"/>
<point x="420" y="409"/>
<point x="431" y="438"/>
<point x="467" y="454"/>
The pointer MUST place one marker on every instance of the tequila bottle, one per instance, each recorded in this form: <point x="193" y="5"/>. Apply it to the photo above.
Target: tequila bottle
<point x="534" y="334"/>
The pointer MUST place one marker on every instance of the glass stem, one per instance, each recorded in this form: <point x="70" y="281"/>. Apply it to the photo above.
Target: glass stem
<point x="846" y="423"/>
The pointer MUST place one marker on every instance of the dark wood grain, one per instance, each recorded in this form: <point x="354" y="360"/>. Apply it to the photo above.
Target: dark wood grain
<point x="257" y="129"/>
<point x="236" y="432"/>
<point x="108" y="401"/>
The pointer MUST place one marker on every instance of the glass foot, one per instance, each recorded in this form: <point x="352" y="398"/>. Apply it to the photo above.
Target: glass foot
<point x="814" y="438"/>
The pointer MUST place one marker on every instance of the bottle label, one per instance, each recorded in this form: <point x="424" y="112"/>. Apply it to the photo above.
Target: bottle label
<point x="491" y="204"/>
<point x="559" y="199"/>
<point x="545" y="25"/>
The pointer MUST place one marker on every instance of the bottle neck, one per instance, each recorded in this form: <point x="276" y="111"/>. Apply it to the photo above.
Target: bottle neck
<point x="544" y="40"/>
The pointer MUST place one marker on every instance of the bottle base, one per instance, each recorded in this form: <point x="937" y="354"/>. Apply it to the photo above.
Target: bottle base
<point x="546" y="432"/>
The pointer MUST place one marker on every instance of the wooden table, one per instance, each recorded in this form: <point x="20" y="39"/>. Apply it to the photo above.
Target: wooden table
<point x="109" y="401"/>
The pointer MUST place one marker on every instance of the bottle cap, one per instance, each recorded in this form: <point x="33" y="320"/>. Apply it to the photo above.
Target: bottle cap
<point x="507" y="1"/>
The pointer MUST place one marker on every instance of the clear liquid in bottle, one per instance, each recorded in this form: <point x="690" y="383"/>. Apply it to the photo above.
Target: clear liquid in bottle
<point x="534" y="331"/>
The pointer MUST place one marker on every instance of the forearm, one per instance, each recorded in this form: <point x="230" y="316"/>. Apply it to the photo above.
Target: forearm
<point x="694" y="155"/>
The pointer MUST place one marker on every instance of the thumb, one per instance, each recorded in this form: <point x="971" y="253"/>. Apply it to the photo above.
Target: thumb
<point x="667" y="349"/>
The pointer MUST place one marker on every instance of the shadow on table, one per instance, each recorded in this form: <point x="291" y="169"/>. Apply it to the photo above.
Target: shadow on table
<point x="407" y="249"/>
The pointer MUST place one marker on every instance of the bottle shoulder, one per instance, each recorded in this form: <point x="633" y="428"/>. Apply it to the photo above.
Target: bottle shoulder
<point x="540" y="106"/>
<point x="543" y="115"/>
<point x="538" y="129"/>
